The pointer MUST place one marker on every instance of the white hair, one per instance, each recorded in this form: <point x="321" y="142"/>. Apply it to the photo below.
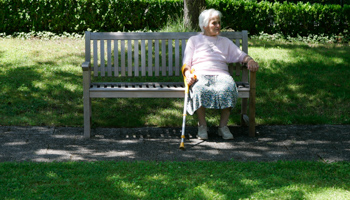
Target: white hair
<point x="205" y="16"/>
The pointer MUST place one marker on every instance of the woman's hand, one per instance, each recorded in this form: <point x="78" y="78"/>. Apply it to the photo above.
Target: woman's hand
<point x="252" y="65"/>
<point x="190" y="78"/>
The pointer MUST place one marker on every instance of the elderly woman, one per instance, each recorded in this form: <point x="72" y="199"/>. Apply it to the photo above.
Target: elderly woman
<point x="208" y="54"/>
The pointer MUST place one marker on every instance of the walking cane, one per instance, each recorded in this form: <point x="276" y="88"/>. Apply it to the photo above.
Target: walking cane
<point x="182" y="144"/>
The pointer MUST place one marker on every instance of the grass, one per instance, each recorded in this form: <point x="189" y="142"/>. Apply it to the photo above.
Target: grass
<point x="298" y="83"/>
<point x="175" y="180"/>
<point x="41" y="84"/>
<point x="306" y="84"/>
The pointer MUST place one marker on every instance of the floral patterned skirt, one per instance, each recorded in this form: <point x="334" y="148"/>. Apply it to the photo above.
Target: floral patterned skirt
<point x="212" y="91"/>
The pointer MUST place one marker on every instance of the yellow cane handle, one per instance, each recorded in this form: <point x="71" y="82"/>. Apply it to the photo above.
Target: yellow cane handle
<point x="186" y="85"/>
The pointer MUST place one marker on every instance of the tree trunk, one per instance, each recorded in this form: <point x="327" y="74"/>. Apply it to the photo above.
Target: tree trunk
<point x="192" y="9"/>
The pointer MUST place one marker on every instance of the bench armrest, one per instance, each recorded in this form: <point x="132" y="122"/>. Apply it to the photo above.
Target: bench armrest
<point x="86" y="66"/>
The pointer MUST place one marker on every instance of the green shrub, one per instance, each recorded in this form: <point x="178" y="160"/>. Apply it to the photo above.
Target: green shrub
<point x="60" y="16"/>
<point x="244" y="15"/>
<point x="284" y="18"/>
<point x="323" y="2"/>
<point x="77" y="16"/>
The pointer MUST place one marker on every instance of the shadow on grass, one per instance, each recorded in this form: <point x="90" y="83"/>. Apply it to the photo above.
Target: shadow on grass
<point x="202" y="180"/>
<point x="310" y="89"/>
<point x="313" y="88"/>
<point x="40" y="94"/>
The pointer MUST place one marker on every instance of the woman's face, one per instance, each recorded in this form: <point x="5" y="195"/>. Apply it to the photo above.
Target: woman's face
<point x="213" y="28"/>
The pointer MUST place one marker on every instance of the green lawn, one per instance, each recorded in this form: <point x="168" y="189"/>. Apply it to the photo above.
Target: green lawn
<point x="299" y="84"/>
<point x="41" y="84"/>
<point x="175" y="180"/>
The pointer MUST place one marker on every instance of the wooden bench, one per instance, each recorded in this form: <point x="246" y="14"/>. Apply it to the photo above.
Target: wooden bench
<point x="117" y="54"/>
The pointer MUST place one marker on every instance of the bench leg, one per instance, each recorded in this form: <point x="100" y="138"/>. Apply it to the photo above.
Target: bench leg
<point x="252" y="118"/>
<point x="87" y="103"/>
<point x="244" y="117"/>
<point x="252" y="104"/>
<point x="87" y="118"/>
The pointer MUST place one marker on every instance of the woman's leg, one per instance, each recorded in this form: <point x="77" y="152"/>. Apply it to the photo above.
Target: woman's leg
<point x="202" y="126"/>
<point x="225" y="114"/>
<point x="224" y="131"/>
<point x="201" y="116"/>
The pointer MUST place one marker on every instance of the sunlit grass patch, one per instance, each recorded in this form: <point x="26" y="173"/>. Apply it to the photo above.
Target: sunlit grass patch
<point x="41" y="84"/>
<point x="175" y="180"/>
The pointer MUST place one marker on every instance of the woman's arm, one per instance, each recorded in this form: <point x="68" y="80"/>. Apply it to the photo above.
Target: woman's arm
<point x="187" y="62"/>
<point x="251" y="64"/>
<point x="235" y="54"/>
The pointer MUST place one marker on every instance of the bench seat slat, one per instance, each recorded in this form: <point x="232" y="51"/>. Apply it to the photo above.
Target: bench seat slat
<point x="244" y="85"/>
<point x="147" y="94"/>
<point x="149" y="89"/>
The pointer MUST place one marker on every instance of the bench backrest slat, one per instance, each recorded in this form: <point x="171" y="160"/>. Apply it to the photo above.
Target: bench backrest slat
<point x="156" y="58"/>
<point x="170" y="57"/>
<point x="109" y="59"/>
<point x="163" y="58"/>
<point x="130" y="70"/>
<point x="177" y="57"/>
<point x="146" y="54"/>
<point x="122" y="57"/>
<point x="154" y="35"/>
<point x="143" y="57"/>
<point x="116" y="60"/>
<point x="150" y="64"/>
<point x="95" y="58"/>
<point x="102" y="55"/>
<point x="136" y="57"/>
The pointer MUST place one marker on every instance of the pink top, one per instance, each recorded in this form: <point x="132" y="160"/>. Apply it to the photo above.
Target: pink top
<point x="210" y="55"/>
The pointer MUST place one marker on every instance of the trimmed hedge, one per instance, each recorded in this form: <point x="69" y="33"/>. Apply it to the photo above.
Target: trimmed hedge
<point x="60" y="16"/>
<point x="323" y="2"/>
<point x="284" y="18"/>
